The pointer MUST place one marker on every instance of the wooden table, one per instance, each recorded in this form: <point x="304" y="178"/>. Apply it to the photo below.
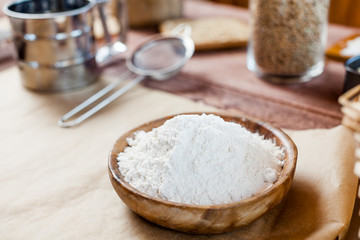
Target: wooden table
<point x="221" y="79"/>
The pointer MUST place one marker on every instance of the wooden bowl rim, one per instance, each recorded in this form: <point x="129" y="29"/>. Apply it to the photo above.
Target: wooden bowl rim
<point x="290" y="149"/>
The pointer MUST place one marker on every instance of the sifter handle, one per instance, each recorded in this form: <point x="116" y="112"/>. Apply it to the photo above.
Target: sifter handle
<point x="62" y="122"/>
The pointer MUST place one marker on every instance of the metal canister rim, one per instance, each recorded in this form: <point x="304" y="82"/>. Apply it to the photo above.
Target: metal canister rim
<point x="6" y="9"/>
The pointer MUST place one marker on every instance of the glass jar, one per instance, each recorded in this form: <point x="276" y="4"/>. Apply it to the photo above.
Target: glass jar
<point x="144" y="13"/>
<point x="288" y="39"/>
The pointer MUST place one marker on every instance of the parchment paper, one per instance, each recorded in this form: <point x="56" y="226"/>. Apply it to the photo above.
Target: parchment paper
<point x="54" y="182"/>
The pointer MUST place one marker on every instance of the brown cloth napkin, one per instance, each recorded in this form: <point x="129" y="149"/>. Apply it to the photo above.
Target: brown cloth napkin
<point x="54" y="182"/>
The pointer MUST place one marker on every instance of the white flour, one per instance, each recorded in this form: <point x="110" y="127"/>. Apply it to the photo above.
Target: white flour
<point x="200" y="160"/>
<point x="352" y="47"/>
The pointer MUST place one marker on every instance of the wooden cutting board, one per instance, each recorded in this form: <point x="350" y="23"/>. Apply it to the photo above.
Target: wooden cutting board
<point x="334" y="51"/>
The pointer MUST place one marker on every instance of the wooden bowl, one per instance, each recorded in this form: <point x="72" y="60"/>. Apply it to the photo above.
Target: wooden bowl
<point x="201" y="219"/>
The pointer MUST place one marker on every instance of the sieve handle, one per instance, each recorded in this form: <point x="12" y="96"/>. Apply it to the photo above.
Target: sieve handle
<point x="62" y="122"/>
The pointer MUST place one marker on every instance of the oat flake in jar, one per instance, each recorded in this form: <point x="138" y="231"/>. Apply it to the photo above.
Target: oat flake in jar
<point x="288" y="39"/>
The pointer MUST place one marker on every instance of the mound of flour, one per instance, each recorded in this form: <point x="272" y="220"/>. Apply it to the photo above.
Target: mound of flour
<point x="200" y="159"/>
